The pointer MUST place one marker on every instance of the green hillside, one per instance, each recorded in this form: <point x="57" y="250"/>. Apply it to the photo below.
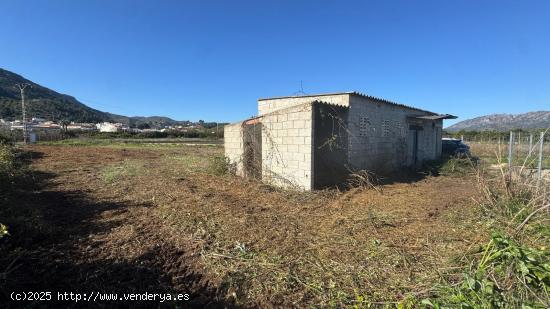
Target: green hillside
<point x="43" y="102"/>
<point x="51" y="105"/>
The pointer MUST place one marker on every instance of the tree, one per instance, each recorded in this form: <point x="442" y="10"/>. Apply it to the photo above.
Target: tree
<point x="143" y="126"/>
<point x="64" y="123"/>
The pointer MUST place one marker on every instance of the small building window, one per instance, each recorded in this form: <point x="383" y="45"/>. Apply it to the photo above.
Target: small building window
<point x="364" y="124"/>
<point x="386" y="128"/>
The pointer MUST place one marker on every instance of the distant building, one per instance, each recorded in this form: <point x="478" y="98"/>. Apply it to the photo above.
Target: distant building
<point x="315" y="141"/>
<point x="107" y="127"/>
<point x="81" y="127"/>
<point x="47" y="125"/>
<point x="4" y="124"/>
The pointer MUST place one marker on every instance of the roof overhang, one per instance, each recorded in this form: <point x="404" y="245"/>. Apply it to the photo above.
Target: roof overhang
<point x="433" y="117"/>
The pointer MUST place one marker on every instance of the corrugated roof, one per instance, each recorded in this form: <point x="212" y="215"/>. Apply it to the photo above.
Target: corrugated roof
<point x="389" y="102"/>
<point x="435" y="117"/>
<point x="329" y="103"/>
<point x="304" y="96"/>
<point x="352" y="93"/>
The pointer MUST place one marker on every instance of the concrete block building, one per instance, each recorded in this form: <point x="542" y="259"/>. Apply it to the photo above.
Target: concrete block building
<point x="314" y="141"/>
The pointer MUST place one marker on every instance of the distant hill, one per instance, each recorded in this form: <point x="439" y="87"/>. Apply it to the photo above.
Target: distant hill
<point x="43" y="102"/>
<point x="504" y="122"/>
<point x="48" y="104"/>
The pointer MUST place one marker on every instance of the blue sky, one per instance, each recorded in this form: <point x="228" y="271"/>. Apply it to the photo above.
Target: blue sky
<point x="211" y="60"/>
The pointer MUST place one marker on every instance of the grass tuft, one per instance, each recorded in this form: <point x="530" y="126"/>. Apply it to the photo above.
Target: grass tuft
<point x="512" y="270"/>
<point x="114" y="173"/>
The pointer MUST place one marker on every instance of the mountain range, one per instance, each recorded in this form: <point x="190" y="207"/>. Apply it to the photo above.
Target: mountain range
<point x="51" y="105"/>
<point x="504" y="122"/>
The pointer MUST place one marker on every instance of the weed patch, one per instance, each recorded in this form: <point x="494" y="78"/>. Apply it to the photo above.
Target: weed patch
<point x="219" y="166"/>
<point x="7" y="163"/>
<point x="114" y="173"/>
<point x="512" y="270"/>
<point x="450" y="166"/>
<point x="506" y="275"/>
<point x="3" y="230"/>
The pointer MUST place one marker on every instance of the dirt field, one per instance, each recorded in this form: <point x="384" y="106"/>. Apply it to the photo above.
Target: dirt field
<point x="159" y="219"/>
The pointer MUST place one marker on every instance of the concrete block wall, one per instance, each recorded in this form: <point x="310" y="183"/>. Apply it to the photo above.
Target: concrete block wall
<point x="266" y="106"/>
<point x="379" y="138"/>
<point x="234" y="149"/>
<point x="287" y="147"/>
<point x="429" y="140"/>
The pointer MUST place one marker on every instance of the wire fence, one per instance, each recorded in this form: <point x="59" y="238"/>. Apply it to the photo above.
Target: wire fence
<point x="529" y="151"/>
<point x="40" y="135"/>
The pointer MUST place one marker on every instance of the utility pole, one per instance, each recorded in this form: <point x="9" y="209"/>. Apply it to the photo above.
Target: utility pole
<point x="541" y="150"/>
<point x="510" y="151"/>
<point x="21" y="88"/>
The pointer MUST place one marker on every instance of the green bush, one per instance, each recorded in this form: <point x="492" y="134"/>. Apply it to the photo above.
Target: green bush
<point x="152" y="134"/>
<point x="507" y="275"/>
<point x="5" y="140"/>
<point x="219" y="166"/>
<point x="7" y="162"/>
<point x="3" y="230"/>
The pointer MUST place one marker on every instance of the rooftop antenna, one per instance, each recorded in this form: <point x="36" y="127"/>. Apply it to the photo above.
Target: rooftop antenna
<point x="21" y="88"/>
<point x="301" y="91"/>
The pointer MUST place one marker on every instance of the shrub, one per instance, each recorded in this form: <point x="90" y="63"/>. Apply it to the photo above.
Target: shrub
<point x="3" y="230"/>
<point x="219" y="166"/>
<point x="5" y="140"/>
<point x="7" y="163"/>
<point x="512" y="270"/>
<point x="506" y="275"/>
<point x="152" y="134"/>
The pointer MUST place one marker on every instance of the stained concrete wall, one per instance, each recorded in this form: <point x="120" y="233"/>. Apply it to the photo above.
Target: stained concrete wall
<point x="330" y="145"/>
<point x="287" y="147"/>
<point x="379" y="137"/>
<point x="429" y="141"/>
<point x="234" y="146"/>
<point x="252" y="157"/>
<point x="266" y="106"/>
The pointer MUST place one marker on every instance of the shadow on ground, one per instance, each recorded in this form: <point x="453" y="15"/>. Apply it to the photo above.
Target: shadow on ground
<point x="434" y="168"/>
<point x="44" y="251"/>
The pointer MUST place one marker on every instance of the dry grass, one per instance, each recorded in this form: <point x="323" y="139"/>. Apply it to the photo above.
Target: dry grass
<point x="512" y="269"/>
<point x="522" y="155"/>
<point x="261" y="246"/>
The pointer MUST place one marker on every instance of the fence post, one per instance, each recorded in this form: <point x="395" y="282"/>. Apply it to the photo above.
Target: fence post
<point x="530" y="143"/>
<point x="540" y="158"/>
<point x="510" y="150"/>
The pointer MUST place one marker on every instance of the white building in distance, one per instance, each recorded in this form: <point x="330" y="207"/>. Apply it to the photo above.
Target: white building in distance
<point x="108" y="127"/>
